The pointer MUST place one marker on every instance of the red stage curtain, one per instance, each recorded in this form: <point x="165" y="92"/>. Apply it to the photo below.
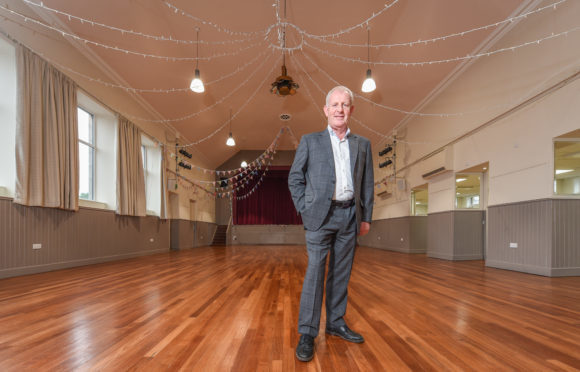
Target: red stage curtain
<point x="269" y="204"/>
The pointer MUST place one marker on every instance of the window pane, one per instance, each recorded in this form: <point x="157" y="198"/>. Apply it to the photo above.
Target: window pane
<point x="85" y="120"/>
<point x="85" y="172"/>
<point x="567" y="167"/>
<point x="420" y="202"/>
<point x="467" y="188"/>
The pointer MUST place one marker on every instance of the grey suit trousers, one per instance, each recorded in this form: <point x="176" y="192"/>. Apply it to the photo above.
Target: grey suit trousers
<point x="337" y="236"/>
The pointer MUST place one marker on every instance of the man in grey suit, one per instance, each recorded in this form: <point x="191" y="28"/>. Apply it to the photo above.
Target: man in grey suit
<point x="332" y="186"/>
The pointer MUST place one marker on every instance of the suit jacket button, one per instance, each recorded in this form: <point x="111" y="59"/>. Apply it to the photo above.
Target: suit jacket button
<point x="329" y="198"/>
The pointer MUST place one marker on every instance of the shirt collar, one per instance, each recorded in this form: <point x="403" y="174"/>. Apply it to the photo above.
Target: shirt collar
<point x="332" y="134"/>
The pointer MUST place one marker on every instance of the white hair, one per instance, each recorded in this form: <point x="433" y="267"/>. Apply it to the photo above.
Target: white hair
<point x="341" y="88"/>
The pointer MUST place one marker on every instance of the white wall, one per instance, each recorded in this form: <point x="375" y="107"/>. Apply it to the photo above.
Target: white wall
<point x="519" y="146"/>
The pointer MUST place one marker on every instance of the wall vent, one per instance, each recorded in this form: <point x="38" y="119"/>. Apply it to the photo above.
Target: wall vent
<point x="436" y="172"/>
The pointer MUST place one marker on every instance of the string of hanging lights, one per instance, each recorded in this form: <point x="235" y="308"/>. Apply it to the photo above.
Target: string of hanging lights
<point x="123" y="31"/>
<point x="128" y="51"/>
<point x="329" y="39"/>
<point x="368" y="45"/>
<point x="551" y="6"/>
<point x="217" y="102"/>
<point x="259" y="160"/>
<point x="447" y="60"/>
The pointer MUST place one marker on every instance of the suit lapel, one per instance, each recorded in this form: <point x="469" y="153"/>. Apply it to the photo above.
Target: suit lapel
<point x="353" y="153"/>
<point x="327" y="146"/>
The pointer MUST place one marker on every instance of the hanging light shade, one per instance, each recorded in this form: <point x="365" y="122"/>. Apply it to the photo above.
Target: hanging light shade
<point x="230" y="141"/>
<point x="369" y="84"/>
<point x="197" y="84"/>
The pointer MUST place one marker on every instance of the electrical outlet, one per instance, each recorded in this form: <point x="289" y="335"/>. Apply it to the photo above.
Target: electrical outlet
<point x="36" y="246"/>
<point x="513" y="245"/>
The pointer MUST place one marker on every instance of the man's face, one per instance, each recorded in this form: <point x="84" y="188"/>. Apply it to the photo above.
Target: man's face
<point x="338" y="109"/>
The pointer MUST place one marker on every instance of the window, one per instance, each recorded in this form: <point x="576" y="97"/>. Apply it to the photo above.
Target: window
<point x="151" y="155"/>
<point x="567" y="167"/>
<point x="7" y="118"/>
<point x="419" y="201"/>
<point x="467" y="191"/>
<point x="86" y="154"/>
<point x="97" y="154"/>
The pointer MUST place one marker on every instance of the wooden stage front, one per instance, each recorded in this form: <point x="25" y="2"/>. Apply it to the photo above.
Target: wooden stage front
<point x="235" y="308"/>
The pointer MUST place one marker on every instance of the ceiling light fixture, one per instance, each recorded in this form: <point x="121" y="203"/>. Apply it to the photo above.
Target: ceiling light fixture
<point x="230" y="141"/>
<point x="244" y="164"/>
<point x="369" y="84"/>
<point x="196" y="84"/>
<point x="562" y="171"/>
<point x="284" y="85"/>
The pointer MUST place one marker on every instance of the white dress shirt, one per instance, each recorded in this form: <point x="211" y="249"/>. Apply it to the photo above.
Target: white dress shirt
<point x="343" y="189"/>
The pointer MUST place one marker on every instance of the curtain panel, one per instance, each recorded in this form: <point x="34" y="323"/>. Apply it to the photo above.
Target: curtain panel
<point x="46" y="135"/>
<point x="130" y="173"/>
<point x="269" y="204"/>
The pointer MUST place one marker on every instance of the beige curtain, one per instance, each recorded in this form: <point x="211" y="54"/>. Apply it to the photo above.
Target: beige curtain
<point x="46" y="135"/>
<point x="163" y="213"/>
<point x="130" y="174"/>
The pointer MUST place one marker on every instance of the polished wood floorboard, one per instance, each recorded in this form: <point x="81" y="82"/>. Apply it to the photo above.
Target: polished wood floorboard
<point x="235" y="308"/>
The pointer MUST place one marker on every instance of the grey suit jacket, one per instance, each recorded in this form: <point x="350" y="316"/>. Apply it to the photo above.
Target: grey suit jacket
<point x="312" y="178"/>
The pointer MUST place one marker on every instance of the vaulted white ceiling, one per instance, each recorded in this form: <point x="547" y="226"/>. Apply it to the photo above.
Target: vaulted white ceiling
<point x="240" y="56"/>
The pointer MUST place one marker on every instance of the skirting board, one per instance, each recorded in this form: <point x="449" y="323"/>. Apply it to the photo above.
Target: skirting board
<point x="537" y="270"/>
<point x="395" y="249"/>
<point x="27" y="270"/>
<point x="454" y="258"/>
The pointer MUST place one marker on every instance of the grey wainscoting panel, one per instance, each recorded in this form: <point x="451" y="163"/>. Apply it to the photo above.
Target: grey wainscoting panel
<point x="527" y="225"/>
<point x="566" y="237"/>
<point x="402" y="234"/>
<point x="182" y="234"/>
<point x="468" y="235"/>
<point x="267" y="234"/>
<point x="204" y="232"/>
<point x="440" y="235"/>
<point x="70" y="239"/>
<point x="418" y="234"/>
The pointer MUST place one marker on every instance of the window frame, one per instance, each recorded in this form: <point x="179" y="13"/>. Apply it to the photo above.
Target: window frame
<point x="554" y="140"/>
<point x="479" y="194"/>
<point x="92" y="154"/>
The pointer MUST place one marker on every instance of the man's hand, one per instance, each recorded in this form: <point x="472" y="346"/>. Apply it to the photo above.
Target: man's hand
<point x="364" y="228"/>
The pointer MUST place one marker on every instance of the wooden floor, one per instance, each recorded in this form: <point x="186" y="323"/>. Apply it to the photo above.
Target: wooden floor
<point x="235" y="308"/>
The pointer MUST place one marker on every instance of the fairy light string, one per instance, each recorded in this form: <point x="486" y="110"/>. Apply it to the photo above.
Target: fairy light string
<point x="131" y="52"/>
<point x="323" y="38"/>
<point x="440" y="61"/>
<point x="217" y="102"/>
<point x="444" y="37"/>
<point x="124" y="31"/>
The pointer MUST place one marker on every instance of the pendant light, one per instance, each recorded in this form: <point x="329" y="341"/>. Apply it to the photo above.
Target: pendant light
<point x="369" y="84"/>
<point x="196" y="84"/>
<point x="284" y="85"/>
<point x="230" y="141"/>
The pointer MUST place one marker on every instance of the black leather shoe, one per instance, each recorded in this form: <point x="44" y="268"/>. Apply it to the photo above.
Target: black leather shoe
<point x="345" y="333"/>
<point x="305" y="348"/>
